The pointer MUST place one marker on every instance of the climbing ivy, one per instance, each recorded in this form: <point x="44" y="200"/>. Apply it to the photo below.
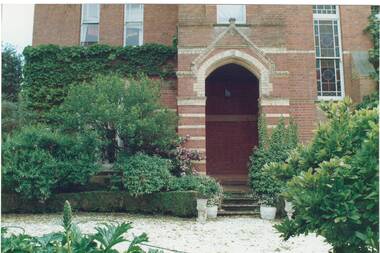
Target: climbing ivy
<point x="49" y="70"/>
<point x="373" y="30"/>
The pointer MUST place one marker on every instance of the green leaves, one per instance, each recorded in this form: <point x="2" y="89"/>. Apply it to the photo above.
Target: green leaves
<point x="38" y="160"/>
<point x="72" y="240"/>
<point x="144" y="174"/>
<point x="336" y="192"/>
<point x="50" y="70"/>
<point x="273" y="148"/>
<point x="11" y="73"/>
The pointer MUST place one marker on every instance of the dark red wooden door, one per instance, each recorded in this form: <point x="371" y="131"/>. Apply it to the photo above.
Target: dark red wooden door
<point x="231" y="121"/>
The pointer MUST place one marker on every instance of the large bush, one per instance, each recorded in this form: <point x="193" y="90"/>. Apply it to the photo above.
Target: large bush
<point x="336" y="193"/>
<point x="11" y="73"/>
<point x="50" y="70"/>
<point x="115" y="108"/>
<point x="37" y="161"/>
<point x="273" y="148"/>
<point x="207" y="187"/>
<point x="144" y="174"/>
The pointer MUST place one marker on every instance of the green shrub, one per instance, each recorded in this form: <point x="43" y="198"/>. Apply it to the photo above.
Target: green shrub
<point x="336" y="193"/>
<point x="207" y="187"/>
<point x="106" y="106"/>
<point x="144" y="174"/>
<point x="176" y="203"/>
<point x="72" y="240"/>
<point x="146" y="126"/>
<point x="37" y="161"/>
<point x="50" y="69"/>
<point x="11" y="73"/>
<point x="10" y="117"/>
<point x="274" y="148"/>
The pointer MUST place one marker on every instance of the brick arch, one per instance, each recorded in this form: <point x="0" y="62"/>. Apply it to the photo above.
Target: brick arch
<point x="260" y="70"/>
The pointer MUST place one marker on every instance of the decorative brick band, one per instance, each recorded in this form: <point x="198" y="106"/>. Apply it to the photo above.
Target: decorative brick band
<point x="192" y="101"/>
<point x="274" y="101"/>
<point x="199" y="162"/>
<point x="198" y="50"/>
<point x="277" y="115"/>
<point x="191" y="126"/>
<point x="193" y="115"/>
<point x="198" y="138"/>
<point x="184" y="74"/>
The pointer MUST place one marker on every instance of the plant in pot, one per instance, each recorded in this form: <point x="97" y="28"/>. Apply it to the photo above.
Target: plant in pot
<point x="214" y="200"/>
<point x="268" y="206"/>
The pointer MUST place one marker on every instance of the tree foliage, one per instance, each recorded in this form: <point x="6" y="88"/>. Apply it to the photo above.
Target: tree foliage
<point x="336" y="192"/>
<point x="114" y="108"/>
<point x="11" y="73"/>
<point x="36" y="161"/>
<point x="273" y="148"/>
<point x="50" y="70"/>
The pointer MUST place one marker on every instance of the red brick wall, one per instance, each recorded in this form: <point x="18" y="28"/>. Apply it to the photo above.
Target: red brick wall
<point x="111" y="27"/>
<point x="57" y="24"/>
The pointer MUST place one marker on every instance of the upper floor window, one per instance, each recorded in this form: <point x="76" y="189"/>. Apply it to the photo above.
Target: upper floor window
<point x="227" y="11"/>
<point x="328" y="52"/>
<point x="90" y="24"/>
<point x="134" y="24"/>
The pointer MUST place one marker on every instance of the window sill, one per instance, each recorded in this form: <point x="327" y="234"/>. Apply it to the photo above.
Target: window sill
<point x="226" y="25"/>
<point x="329" y="98"/>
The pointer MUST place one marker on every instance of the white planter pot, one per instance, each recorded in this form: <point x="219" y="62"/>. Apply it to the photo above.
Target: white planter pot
<point x="212" y="212"/>
<point x="289" y="209"/>
<point x="268" y="212"/>
<point x="201" y="204"/>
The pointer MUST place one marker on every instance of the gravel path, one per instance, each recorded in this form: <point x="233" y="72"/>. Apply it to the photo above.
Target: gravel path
<point x="225" y="234"/>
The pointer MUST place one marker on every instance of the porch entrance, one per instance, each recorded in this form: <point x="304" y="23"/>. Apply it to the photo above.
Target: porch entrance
<point x="231" y="121"/>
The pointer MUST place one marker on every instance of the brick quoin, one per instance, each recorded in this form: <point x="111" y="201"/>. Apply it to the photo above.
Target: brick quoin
<point x="276" y="45"/>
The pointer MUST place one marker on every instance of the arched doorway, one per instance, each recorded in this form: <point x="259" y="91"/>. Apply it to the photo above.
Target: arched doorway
<point x="231" y="121"/>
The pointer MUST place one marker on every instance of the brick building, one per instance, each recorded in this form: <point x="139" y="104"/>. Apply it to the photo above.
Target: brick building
<point x="235" y="62"/>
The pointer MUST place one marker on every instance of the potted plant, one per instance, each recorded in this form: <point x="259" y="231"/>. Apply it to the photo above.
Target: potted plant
<point x="210" y="192"/>
<point x="268" y="207"/>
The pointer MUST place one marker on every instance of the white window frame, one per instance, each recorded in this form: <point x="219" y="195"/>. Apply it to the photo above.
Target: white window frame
<point x="219" y="21"/>
<point x="89" y="22"/>
<point x="141" y="38"/>
<point x="334" y="17"/>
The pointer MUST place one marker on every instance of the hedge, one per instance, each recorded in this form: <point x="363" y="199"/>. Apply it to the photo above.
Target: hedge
<point x="177" y="203"/>
<point x="50" y="69"/>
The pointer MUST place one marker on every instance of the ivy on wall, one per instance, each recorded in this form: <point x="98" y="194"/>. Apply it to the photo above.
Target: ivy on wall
<point x="50" y="69"/>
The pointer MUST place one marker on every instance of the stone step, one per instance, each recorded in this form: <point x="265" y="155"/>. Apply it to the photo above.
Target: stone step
<point x="240" y="207"/>
<point x="233" y="213"/>
<point x="239" y="200"/>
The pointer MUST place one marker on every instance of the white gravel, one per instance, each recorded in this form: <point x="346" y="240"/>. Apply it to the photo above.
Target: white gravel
<point x="225" y="234"/>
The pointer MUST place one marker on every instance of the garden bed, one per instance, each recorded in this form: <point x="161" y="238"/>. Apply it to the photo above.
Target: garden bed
<point x="176" y="203"/>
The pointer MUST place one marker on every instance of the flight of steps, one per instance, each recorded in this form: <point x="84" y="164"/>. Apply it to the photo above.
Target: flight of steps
<point x="238" y="200"/>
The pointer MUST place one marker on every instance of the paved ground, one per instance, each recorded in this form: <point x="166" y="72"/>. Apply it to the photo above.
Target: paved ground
<point x="225" y="234"/>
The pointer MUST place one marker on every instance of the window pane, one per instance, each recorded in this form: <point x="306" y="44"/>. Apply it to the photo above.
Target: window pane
<point x="134" y="12"/>
<point x="133" y="34"/>
<point x="324" y="9"/>
<point x="327" y="40"/>
<point x="329" y="77"/>
<point x="90" y="13"/>
<point x="89" y="33"/>
<point x="227" y="11"/>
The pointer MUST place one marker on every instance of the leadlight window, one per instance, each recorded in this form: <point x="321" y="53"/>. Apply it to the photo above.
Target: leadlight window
<point x="324" y="9"/>
<point x="90" y="24"/>
<point x="134" y="24"/>
<point x="227" y="11"/>
<point x="328" y="54"/>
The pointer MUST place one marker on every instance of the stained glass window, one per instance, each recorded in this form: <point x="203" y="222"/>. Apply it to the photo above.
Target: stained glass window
<point x="329" y="69"/>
